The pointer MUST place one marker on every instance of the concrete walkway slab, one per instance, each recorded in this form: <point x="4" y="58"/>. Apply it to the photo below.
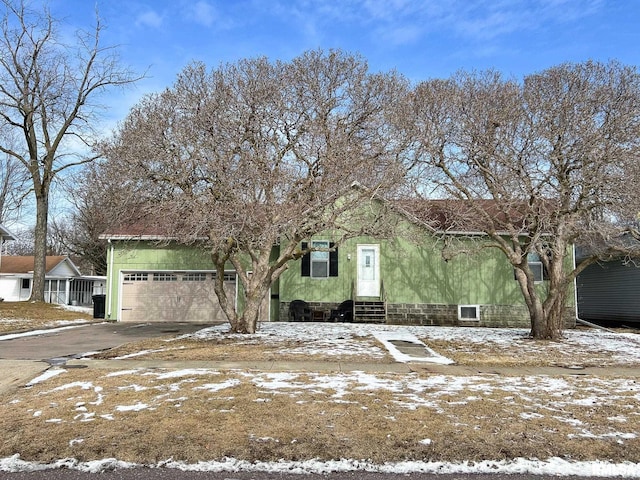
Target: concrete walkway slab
<point x="17" y="373"/>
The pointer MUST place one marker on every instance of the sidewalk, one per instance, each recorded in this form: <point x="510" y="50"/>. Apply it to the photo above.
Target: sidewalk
<point x="326" y="366"/>
<point x="17" y="373"/>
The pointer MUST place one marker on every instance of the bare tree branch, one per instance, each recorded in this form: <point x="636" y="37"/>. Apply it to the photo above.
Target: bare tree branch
<point x="48" y="94"/>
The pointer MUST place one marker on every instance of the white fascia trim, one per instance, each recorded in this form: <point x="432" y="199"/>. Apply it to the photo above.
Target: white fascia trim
<point x="136" y="237"/>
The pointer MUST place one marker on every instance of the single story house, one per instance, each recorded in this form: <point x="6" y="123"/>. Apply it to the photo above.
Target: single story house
<point x="444" y="279"/>
<point x="5" y="236"/>
<point x="64" y="284"/>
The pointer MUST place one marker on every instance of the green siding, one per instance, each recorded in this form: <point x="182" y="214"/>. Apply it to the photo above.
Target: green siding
<point x="413" y="273"/>
<point x="410" y="273"/>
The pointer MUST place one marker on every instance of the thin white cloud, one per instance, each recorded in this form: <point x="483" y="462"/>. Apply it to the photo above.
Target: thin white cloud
<point x="399" y="22"/>
<point x="204" y="13"/>
<point x="149" y="19"/>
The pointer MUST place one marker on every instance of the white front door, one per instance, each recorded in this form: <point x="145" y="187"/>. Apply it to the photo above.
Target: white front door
<point x="368" y="271"/>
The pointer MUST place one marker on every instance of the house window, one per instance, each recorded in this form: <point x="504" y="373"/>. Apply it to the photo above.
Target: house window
<point x="228" y="277"/>
<point x="194" y="277"/>
<point x="320" y="260"/>
<point x="536" y="267"/>
<point x="469" y="312"/>
<point x="165" y="277"/>
<point x="136" y="277"/>
<point x="320" y="264"/>
<point x="26" y="283"/>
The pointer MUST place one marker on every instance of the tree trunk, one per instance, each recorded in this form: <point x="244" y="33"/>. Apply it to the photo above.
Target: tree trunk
<point x="40" y="247"/>
<point x="546" y="317"/>
<point x="248" y="321"/>
<point x="256" y="289"/>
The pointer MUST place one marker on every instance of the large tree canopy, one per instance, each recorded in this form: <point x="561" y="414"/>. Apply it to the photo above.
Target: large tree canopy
<point x="256" y="154"/>
<point x="555" y="156"/>
<point x="49" y="91"/>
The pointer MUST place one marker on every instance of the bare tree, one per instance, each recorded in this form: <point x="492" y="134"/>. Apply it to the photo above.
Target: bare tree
<point x="25" y="240"/>
<point x="13" y="189"/>
<point x="14" y="183"/>
<point x="48" y="95"/>
<point x="100" y="200"/>
<point x="257" y="154"/>
<point x="536" y="165"/>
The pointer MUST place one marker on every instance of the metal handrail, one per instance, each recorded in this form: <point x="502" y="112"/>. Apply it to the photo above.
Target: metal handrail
<point x="383" y="297"/>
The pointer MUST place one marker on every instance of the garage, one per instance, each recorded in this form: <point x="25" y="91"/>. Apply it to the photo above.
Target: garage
<point x="173" y="296"/>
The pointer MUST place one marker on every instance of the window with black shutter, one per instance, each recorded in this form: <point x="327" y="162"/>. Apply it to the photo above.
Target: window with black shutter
<point x="320" y="264"/>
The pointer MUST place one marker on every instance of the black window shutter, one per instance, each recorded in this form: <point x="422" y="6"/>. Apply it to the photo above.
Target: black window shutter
<point x="306" y="262"/>
<point x="333" y="261"/>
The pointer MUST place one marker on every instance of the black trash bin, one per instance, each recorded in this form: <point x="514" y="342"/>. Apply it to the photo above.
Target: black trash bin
<point x="98" y="305"/>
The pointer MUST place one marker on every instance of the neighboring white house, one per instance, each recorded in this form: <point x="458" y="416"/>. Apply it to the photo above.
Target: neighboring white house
<point x="5" y="235"/>
<point x="64" y="284"/>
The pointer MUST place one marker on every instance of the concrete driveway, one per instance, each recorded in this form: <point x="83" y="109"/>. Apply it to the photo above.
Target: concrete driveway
<point x="24" y="358"/>
<point x="93" y="337"/>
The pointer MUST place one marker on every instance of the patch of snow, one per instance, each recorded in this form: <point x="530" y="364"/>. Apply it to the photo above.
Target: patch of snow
<point x="132" y="408"/>
<point x="50" y="373"/>
<point x="134" y="387"/>
<point x="81" y="385"/>
<point x="185" y="373"/>
<point x="216" y="387"/>
<point x="32" y="333"/>
<point x="140" y="353"/>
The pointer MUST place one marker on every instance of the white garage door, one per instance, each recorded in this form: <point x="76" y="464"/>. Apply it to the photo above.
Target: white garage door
<point x="173" y="297"/>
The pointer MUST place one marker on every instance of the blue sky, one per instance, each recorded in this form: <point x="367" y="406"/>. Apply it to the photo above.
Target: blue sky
<point x="419" y="38"/>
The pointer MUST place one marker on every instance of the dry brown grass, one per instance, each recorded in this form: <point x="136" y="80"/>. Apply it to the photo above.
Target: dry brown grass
<point x="526" y="353"/>
<point x="217" y="414"/>
<point x="17" y="316"/>
<point x="191" y="418"/>
<point x="228" y="348"/>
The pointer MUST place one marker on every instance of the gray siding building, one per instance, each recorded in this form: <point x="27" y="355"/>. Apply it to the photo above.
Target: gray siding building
<point x="610" y="291"/>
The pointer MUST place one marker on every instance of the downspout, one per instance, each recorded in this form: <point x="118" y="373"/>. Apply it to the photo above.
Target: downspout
<point x="110" y="284"/>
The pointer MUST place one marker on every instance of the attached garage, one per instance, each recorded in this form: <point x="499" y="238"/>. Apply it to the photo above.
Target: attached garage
<point x="172" y="296"/>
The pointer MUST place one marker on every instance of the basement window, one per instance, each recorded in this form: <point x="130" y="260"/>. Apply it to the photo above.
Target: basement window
<point x="469" y="312"/>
